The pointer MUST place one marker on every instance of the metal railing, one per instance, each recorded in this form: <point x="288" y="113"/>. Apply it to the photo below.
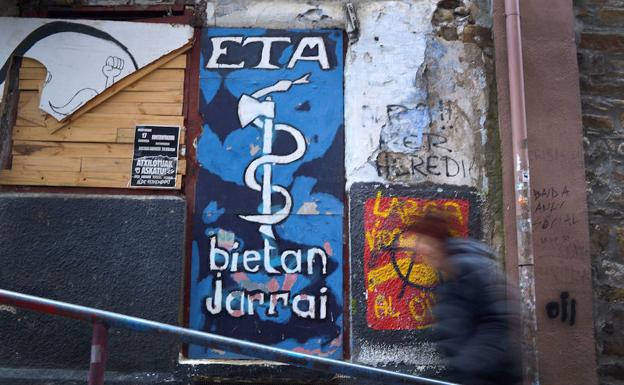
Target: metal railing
<point x="102" y="320"/>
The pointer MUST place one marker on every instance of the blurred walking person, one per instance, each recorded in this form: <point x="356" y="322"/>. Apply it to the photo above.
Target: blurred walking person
<point x="476" y="319"/>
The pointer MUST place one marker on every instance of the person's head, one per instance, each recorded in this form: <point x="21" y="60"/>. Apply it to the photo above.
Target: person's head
<point x="427" y="236"/>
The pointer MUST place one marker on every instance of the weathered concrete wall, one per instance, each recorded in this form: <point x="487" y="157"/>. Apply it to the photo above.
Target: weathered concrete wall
<point x="117" y="253"/>
<point x="600" y="38"/>
<point x="418" y="97"/>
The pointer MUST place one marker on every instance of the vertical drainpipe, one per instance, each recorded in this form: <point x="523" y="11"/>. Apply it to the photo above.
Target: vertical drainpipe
<point x="520" y="153"/>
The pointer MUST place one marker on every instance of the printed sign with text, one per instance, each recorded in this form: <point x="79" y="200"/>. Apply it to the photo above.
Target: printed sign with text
<point x="155" y="160"/>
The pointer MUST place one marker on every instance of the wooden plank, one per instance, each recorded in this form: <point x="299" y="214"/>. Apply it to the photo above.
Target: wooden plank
<point x="66" y="134"/>
<point x="102" y="127"/>
<point x="122" y="84"/>
<point x="112" y="107"/>
<point x="31" y="63"/>
<point x="32" y="73"/>
<point x="178" y="62"/>
<point x="107" y="165"/>
<point x="27" y="96"/>
<point x="72" y="149"/>
<point x="120" y="180"/>
<point x="8" y="109"/>
<point x="30" y="84"/>
<point x="165" y="75"/>
<point x="28" y="108"/>
<point x="69" y="179"/>
<point x="45" y="163"/>
<point x="126" y="135"/>
<point x="158" y="97"/>
<point x="38" y="178"/>
<point x="181" y="167"/>
<point x="117" y="165"/>
<point x="126" y="121"/>
<point x="23" y="122"/>
<point x="152" y="86"/>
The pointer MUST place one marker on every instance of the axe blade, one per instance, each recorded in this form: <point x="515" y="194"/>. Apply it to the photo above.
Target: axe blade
<point x="250" y="108"/>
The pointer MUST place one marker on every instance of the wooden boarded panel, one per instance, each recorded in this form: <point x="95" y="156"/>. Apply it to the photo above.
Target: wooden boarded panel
<point x="98" y="120"/>
<point x="37" y="73"/>
<point x="66" y="134"/>
<point x="152" y="87"/>
<point x="117" y="165"/>
<point x="26" y="96"/>
<point x="30" y="84"/>
<point x="45" y="163"/>
<point x="28" y="108"/>
<point x="138" y="108"/>
<point x="126" y="135"/>
<point x="95" y="148"/>
<point x="39" y="178"/>
<point x="158" y="97"/>
<point x="94" y="128"/>
<point x="31" y="63"/>
<point x="178" y="62"/>
<point x="71" y="149"/>
<point x="165" y="75"/>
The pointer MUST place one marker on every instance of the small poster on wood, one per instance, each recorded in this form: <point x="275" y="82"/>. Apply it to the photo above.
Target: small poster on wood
<point x="155" y="159"/>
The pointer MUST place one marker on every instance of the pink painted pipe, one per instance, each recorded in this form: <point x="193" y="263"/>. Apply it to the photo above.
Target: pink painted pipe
<point x="524" y="231"/>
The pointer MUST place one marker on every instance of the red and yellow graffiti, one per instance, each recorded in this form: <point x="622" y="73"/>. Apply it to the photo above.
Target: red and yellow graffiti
<point x="400" y="284"/>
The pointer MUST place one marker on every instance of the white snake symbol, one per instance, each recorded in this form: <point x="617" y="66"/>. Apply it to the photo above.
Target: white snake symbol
<point x="262" y="113"/>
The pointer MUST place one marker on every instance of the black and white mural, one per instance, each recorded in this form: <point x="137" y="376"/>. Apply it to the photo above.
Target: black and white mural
<point x="84" y="57"/>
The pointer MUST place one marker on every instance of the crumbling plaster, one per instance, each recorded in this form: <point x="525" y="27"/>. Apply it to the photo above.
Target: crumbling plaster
<point x="406" y="76"/>
<point x="418" y="76"/>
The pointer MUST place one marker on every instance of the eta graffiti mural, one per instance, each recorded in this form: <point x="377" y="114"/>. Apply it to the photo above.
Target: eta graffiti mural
<point x="267" y="233"/>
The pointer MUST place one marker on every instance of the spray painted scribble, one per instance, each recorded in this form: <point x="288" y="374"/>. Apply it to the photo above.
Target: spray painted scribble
<point x="399" y="284"/>
<point x="267" y="233"/>
<point x="392" y="290"/>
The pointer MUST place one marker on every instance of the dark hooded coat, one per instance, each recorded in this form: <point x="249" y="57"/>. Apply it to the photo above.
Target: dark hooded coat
<point x="477" y="319"/>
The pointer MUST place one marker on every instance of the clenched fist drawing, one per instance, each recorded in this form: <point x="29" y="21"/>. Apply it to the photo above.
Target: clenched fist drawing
<point x="112" y="68"/>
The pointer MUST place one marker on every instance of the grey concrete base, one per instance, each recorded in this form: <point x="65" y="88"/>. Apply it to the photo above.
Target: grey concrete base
<point x="118" y="253"/>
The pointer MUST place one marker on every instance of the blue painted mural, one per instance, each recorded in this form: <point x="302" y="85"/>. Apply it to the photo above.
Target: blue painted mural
<point x="268" y="221"/>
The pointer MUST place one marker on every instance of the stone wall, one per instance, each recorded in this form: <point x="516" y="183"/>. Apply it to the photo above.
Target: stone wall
<point x="600" y="37"/>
